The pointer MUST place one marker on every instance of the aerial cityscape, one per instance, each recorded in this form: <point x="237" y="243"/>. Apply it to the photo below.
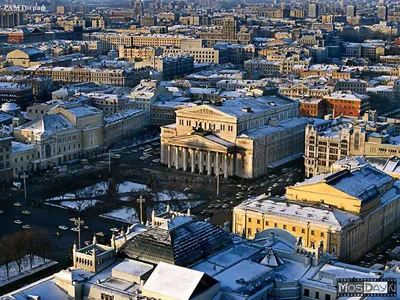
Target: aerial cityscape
<point x="198" y="149"/>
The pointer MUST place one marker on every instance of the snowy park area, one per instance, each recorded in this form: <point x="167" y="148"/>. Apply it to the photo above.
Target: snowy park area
<point x="167" y="195"/>
<point x="38" y="264"/>
<point x="129" y="186"/>
<point x="78" y="205"/>
<point x="123" y="214"/>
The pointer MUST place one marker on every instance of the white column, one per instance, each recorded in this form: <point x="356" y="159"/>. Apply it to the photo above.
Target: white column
<point x="169" y="156"/>
<point x="216" y="163"/>
<point x="185" y="162"/>
<point x="192" y="158"/>
<point x="162" y="153"/>
<point x="209" y="163"/>
<point x="226" y="166"/>
<point x="201" y="161"/>
<point x="176" y="157"/>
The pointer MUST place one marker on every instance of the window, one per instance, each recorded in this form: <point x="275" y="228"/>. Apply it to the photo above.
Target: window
<point x="249" y="220"/>
<point x="322" y="234"/>
<point x="312" y="232"/>
<point x="266" y="223"/>
<point x="284" y="226"/>
<point x="258" y="221"/>
<point x="293" y="228"/>
<point x="276" y="225"/>
<point x="327" y="297"/>
<point x="316" y="295"/>
<point x="306" y="292"/>
<point x="106" y="297"/>
<point x="249" y="231"/>
<point x="303" y="231"/>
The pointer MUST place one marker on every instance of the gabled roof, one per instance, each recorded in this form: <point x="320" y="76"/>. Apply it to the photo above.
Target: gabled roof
<point x="48" y="124"/>
<point x="272" y="259"/>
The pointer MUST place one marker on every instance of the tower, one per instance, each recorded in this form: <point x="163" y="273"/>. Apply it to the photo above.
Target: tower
<point x="313" y="10"/>
<point x="383" y="12"/>
<point x="138" y="9"/>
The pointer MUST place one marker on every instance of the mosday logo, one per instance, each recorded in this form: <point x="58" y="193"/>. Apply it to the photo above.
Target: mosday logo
<point x="373" y="287"/>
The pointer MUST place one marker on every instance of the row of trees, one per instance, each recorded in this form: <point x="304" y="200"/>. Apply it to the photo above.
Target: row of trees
<point x="21" y="246"/>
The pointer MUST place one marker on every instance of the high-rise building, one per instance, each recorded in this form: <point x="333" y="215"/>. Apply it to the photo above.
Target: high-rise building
<point x="313" y="10"/>
<point x="351" y="11"/>
<point x="383" y="12"/>
<point x="138" y="9"/>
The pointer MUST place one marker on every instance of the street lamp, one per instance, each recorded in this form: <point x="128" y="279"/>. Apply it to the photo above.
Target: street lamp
<point x="78" y="222"/>
<point x="23" y="176"/>
<point x="141" y="200"/>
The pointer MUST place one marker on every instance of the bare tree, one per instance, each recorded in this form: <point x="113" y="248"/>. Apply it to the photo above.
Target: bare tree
<point x="5" y="257"/>
<point x="43" y="244"/>
<point x="17" y="245"/>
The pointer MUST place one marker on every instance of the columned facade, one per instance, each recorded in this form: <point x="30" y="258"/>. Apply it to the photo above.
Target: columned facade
<point x="201" y="161"/>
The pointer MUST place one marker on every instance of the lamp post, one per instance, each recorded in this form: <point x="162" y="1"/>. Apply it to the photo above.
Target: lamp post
<point x="24" y="177"/>
<point x="78" y="222"/>
<point x="141" y="200"/>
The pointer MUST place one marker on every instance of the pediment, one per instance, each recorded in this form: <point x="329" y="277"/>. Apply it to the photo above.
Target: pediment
<point x="199" y="142"/>
<point x="202" y="110"/>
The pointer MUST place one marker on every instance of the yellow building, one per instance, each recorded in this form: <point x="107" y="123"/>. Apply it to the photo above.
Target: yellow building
<point x="350" y="211"/>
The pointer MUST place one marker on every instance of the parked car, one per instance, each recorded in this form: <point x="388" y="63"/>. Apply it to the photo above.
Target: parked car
<point x="62" y="227"/>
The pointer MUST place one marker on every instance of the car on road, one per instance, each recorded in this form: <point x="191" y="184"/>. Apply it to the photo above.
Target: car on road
<point x="1" y="212"/>
<point x="134" y="151"/>
<point x="269" y="189"/>
<point x="72" y="219"/>
<point x="225" y="206"/>
<point x="26" y="226"/>
<point x="57" y="234"/>
<point x="280" y="180"/>
<point x="211" y="206"/>
<point x="203" y="212"/>
<point x="156" y="160"/>
<point x="75" y="229"/>
<point x="100" y="234"/>
<point x="62" y="227"/>
<point x="217" y="206"/>
<point x="114" y="229"/>
<point x="187" y="189"/>
<point x="26" y="212"/>
<point x="18" y="222"/>
<point x="86" y="227"/>
<point x="17" y="204"/>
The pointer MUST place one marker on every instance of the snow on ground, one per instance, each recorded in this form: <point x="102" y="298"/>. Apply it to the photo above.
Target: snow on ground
<point x="171" y="195"/>
<point x="123" y="214"/>
<point x="125" y="199"/>
<point x="98" y="189"/>
<point x="37" y="264"/>
<point x="79" y="205"/>
<point x="129" y="186"/>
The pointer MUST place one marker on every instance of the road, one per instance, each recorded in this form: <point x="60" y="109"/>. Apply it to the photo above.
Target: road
<point x="128" y="167"/>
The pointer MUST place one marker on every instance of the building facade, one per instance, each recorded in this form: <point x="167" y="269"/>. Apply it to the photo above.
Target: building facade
<point x="244" y="137"/>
